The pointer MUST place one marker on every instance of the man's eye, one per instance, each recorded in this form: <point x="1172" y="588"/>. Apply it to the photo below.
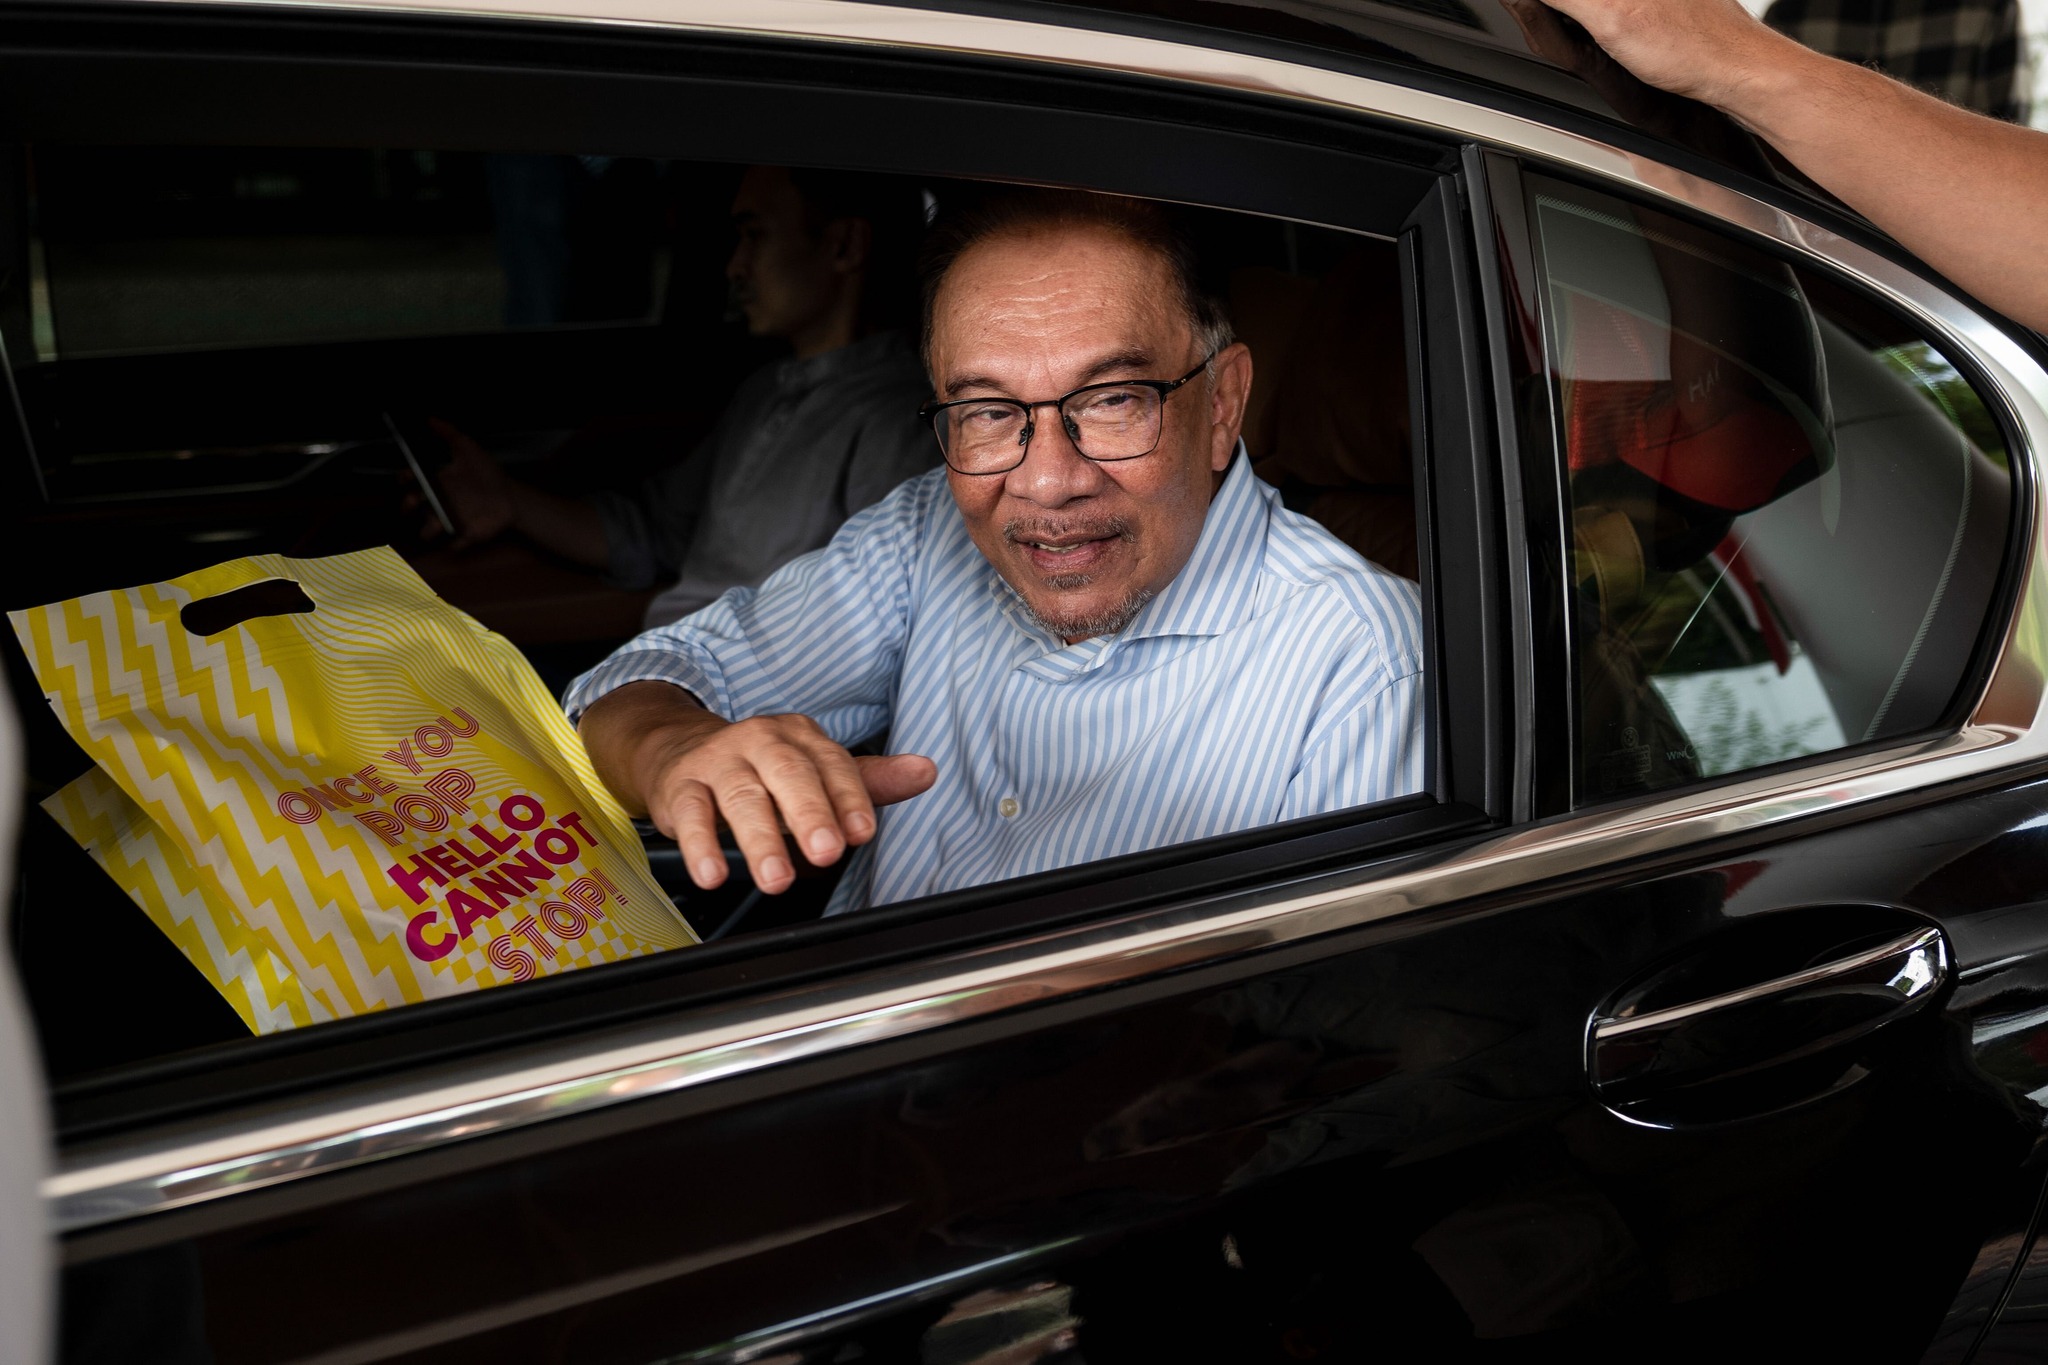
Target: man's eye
<point x="1108" y="401"/>
<point x="988" y="417"/>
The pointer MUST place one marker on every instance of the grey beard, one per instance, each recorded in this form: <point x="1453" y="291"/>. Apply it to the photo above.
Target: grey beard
<point x="1075" y="627"/>
<point x="1087" y="627"/>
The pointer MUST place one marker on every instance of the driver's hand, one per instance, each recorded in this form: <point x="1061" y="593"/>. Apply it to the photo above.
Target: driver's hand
<point x="481" y="497"/>
<point x="762" y="776"/>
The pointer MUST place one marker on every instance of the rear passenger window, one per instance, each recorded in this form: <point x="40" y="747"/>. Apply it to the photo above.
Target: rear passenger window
<point x="227" y="352"/>
<point x="1788" y="508"/>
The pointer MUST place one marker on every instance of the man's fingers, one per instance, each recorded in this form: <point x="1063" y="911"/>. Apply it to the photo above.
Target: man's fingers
<point x="897" y="777"/>
<point x="750" y="812"/>
<point x="844" y="788"/>
<point x="692" y="818"/>
<point x="793" y="776"/>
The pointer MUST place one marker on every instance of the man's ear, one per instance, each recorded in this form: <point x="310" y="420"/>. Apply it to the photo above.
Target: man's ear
<point x="1229" y="392"/>
<point x="847" y="242"/>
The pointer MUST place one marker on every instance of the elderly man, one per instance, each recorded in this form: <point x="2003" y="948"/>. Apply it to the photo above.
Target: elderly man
<point x="1095" y="631"/>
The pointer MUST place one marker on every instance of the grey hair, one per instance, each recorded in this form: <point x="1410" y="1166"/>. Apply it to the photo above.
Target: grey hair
<point x="1013" y="209"/>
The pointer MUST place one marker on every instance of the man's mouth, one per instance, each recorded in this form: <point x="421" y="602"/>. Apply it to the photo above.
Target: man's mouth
<point x="1065" y="551"/>
<point x="1065" y="547"/>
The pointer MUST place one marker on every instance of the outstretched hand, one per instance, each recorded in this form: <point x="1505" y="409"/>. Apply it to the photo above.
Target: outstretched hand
<point x="479" y="493"/>
<point x="691" y="770"/>
<point x="1703" y="49"/>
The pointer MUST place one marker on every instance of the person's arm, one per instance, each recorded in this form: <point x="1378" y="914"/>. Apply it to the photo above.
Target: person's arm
<point x="1967" y="194"/>
<point x="669" y="758"/>
<point x="487" y="502"/>
<point x="1365" y="739"/>
<point x="741" y="712"/>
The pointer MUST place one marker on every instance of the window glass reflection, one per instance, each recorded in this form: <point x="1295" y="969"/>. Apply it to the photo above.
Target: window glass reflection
<point x="1787" y="507"/>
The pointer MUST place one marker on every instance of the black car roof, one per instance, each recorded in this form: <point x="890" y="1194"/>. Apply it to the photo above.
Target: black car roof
<point x="1471" y="48"/>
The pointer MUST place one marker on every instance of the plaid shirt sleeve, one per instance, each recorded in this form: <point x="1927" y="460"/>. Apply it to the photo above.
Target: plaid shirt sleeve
<point x="1965" y="51"/>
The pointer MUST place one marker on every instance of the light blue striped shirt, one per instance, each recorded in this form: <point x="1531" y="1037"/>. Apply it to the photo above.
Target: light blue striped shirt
<point x="1278" y="675"/>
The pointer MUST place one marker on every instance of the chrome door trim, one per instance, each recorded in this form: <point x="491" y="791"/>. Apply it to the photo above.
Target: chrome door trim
<point x="165" y="1169"/>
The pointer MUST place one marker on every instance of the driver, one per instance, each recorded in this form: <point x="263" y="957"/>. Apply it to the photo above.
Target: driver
<point x="1093" y="632"/>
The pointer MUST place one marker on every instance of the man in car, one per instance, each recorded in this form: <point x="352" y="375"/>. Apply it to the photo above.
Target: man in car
<point x="823" y="262"/>
<point x="1095" y="631"/>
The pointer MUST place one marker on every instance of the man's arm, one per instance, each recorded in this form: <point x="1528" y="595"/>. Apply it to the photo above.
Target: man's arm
<point x="667" y="757"/>
<point x="487" y="502"/>
<point x="740" y="712"/>
<point x="1967" y="194"/>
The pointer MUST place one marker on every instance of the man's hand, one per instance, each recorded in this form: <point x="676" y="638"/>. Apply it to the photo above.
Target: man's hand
<point x="1709" y="50"/>
<point x="687" y="769"/>
<point x="486" y="502"/>
<point x="480" y="495"/>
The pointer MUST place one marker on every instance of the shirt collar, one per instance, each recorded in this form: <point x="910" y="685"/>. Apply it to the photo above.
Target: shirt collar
<point x="1216" y="588"/>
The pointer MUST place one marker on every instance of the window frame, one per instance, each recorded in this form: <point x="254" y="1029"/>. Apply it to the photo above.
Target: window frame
<point x="1556" y="782"/>
<point x="1268" y="148"/>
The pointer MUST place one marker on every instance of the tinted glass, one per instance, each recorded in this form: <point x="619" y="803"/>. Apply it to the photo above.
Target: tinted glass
<point x="226" y="367"/>
<point x="1787" y="506"/>
<point x="151" y="249"/>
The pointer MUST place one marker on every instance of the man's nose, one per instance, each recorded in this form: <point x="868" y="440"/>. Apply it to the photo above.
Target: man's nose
<point x="1054" y="471"/>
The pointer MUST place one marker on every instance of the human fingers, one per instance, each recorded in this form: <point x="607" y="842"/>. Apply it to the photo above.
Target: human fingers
<point x="750" y="813"/>
<point x="465" y="452"/>
<point x="691" y="817"/>
<point x="1540" y="29"/>
<point x="896" y="777"/>
<point x="1699" y="48"/>
<point x="841" y="777"/>
<point x="789" y="765"/>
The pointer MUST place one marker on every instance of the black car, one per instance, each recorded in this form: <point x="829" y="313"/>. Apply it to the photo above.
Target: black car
<point x="1698" y="1010"/>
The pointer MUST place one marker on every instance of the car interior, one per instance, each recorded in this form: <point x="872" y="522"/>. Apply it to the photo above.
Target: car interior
<point x="221" y="351"/>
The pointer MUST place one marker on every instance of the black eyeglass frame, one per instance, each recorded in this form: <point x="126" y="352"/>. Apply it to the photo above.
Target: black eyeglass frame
<point x="1165" y="388"/>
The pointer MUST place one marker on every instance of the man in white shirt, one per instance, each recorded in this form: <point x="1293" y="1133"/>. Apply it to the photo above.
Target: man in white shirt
<point x="1094" y="632"/>
<point x="822" y="261"/>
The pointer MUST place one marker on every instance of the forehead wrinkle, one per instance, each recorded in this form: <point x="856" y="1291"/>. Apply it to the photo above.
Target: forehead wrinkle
<point x="1084" y="299"/>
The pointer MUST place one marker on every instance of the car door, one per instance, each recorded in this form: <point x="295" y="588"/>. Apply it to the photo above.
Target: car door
<point x="1420" y="1079"/>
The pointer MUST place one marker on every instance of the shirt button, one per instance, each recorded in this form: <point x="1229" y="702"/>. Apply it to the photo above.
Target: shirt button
<point x="1008" y="806"/>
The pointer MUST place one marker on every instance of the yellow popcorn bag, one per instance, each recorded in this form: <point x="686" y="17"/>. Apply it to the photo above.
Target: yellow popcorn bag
<point x="361" y="800"/>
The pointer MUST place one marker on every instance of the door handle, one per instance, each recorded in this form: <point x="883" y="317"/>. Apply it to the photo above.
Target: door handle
<point x="1637" y="1056"/>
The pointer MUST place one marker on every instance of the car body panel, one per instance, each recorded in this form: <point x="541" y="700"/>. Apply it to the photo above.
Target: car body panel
<point x="1410" y="1080"/>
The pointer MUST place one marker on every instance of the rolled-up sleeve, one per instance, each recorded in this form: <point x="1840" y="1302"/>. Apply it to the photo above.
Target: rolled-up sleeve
<point x="822" y="637"/>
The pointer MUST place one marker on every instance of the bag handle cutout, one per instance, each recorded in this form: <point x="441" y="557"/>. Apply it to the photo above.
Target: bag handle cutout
<point x="271" y="597"/>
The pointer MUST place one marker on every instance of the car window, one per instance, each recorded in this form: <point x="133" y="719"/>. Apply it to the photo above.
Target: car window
<point x="1787" y="506"/>
<point x="225" y="368"/>
<point x="155" y="249"/>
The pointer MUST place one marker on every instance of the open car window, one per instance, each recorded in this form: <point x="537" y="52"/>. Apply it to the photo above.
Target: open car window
<point x="231" y="371"/>
<point x="1788" y="507"/>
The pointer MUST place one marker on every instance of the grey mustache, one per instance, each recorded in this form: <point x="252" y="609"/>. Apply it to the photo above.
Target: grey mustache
<point x="1020" y="530"/>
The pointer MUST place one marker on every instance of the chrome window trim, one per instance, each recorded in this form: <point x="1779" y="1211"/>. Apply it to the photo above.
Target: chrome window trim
<point x="161" y="1170"/>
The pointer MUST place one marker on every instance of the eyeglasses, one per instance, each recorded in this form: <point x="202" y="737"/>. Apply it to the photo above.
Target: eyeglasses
<point x="1106" y="422"/>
